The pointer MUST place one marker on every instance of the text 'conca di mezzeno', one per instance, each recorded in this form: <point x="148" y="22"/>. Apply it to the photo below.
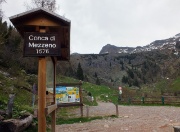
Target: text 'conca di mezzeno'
<point x="41" y="43"/>
<point x="39" y="39"/>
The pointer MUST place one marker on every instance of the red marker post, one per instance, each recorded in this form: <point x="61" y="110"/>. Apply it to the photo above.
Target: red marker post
<point x="120" y="92"/>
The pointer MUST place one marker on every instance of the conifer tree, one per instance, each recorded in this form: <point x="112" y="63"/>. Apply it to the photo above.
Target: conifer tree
<point x="80" y="75"/>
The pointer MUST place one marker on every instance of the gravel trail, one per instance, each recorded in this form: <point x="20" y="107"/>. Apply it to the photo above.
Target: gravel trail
<point x="131" y="119"/>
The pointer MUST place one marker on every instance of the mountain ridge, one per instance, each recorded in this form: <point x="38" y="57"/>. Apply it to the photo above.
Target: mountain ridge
<point x="169" y="43"/>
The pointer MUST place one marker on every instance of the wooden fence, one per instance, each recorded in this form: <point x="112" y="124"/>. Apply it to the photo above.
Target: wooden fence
<point x="164" y="100"/>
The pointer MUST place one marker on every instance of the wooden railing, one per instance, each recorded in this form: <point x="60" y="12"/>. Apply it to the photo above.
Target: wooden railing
<point x="170" y="100"/>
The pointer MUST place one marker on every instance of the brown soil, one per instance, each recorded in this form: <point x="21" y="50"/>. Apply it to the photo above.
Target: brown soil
<point x="131" y="119"/>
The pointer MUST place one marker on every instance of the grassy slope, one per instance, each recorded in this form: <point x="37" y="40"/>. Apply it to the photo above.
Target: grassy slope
<point x="11" y="84"/>
<point x="20" y="86"/>
<point x="15" y="85"/>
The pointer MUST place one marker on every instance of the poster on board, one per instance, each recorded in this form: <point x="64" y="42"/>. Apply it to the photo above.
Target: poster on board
<point x="67" y="94"/>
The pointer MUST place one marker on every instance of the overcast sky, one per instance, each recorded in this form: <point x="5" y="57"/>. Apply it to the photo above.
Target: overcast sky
<point x="95" y="23"/>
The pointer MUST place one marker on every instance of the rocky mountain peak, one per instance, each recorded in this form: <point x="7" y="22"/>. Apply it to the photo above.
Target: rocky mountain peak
<point x="169" y="43"/>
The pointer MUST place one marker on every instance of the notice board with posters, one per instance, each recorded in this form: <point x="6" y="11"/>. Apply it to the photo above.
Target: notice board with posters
<point x="69" y="94"/>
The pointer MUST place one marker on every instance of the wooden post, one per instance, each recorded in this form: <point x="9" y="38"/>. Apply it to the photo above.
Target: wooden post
<point x="117" y="110"/>
<point x="81" y="108"/>
<point x="81" y="100"/>
<point x="53" y="114"/>
<point x="42" y="95"/>
<point x="53" y="122"/>
<point x="87" y="110"/>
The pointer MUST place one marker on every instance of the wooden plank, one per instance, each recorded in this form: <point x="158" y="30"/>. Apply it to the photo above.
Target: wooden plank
<point x="50" y="109"/>
<point x="171" y="102"/>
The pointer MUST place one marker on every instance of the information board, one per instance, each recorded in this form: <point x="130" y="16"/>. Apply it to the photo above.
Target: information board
<point x="67" y="94"/>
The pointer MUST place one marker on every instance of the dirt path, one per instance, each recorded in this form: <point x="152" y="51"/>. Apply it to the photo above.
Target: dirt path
<point x="131" y="119"/>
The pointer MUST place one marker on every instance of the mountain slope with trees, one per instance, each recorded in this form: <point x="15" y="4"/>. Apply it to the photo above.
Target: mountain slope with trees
<point x="124" y="69"/>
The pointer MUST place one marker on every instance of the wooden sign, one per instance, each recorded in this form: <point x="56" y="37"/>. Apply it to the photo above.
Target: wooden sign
<point x="38" y="20"/>
<point x="41" y="44"/>
<point x="47" y="36"/>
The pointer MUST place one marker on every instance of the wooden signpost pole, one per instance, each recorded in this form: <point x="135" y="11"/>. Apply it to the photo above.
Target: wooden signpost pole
<point x="53" y="114"/>
<point x="41" y="95"/>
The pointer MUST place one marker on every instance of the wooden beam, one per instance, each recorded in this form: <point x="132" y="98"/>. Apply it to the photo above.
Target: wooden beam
<point x="69" y="104"/>
<point x="50" y="109"/>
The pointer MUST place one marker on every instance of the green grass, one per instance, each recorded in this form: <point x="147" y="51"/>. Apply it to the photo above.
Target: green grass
<point x="101" y="93"/>
<point x="64" y="79"/>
